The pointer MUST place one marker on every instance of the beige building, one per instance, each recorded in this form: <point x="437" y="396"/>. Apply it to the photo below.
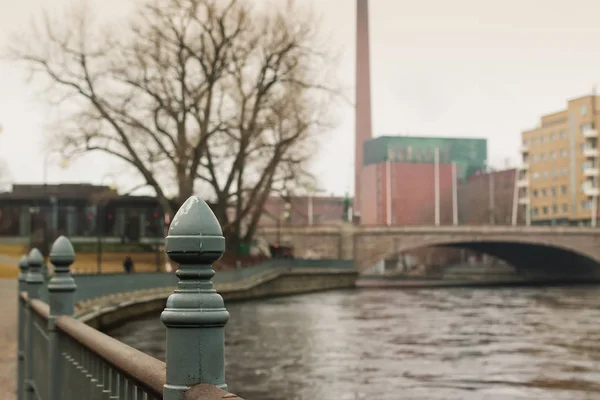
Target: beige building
<point x="558" y="180"/>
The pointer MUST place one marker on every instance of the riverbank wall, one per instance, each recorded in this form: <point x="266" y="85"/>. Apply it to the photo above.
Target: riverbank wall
<point x="108" y="312"/>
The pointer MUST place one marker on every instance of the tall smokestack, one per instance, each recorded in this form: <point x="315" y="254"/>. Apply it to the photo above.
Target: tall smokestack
<point x="363" y="95"/>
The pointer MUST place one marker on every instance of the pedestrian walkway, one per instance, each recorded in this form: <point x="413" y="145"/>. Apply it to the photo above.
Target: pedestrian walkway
<point x="8" y="260"/>
<point x="8" y="338"/>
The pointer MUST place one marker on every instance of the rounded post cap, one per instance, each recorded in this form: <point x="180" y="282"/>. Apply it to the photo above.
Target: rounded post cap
<point x="195" y="234"/>
<point x="23" y="263"/>
<point x="62" y="251"/>
<point x="35" y="257"/>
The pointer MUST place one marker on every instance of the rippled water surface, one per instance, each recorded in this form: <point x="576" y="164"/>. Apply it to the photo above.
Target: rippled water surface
<point x="513" y="343"/>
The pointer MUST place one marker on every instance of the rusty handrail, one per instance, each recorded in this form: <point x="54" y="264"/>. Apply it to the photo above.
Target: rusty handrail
<point x="208" y="392"/>
<point x="146" y="371"/>
<point x="41" y="308"/>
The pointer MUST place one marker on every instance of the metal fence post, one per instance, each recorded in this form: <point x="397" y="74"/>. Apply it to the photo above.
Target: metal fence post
<point x="195" y="315"/>
<point x="23" y="267"/>
<point x="61" y="296"/>
<point x="34" y="282"/>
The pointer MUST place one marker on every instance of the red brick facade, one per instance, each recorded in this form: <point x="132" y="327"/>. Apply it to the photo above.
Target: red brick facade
<point x="412" y="194"/>
<point x="326" y="210"/>
<point x="474" y="205"/>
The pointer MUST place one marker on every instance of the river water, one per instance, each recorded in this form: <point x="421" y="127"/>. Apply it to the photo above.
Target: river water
<point x="463" y="343"/>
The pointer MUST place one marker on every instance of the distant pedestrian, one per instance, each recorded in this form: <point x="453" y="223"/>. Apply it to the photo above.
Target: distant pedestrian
<point x="128" y="265"/>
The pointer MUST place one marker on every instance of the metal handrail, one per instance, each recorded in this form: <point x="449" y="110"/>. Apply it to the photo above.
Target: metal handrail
<point x="62" y="358"/>
<point x="145" y="371"/>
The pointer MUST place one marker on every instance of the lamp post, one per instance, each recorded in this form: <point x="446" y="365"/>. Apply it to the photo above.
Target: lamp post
<point x="100" y="215"/>
<point x="436" y="180"/>
<point x="311" y="192"/>
<point x="64" y="164"/>
<point x="491" y="188"/>
<point x="454" y="195"/>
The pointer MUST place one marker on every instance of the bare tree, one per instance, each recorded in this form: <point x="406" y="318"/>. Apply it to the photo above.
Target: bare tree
<point x="210" y="94"/>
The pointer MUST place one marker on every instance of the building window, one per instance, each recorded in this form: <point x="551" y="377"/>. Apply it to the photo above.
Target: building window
<point x="543" y="139"/>
<point x="524" y="142"/>
<point x="563" y="134"/>
<point x="418" y="154"/>
<point x="585" y="127"/>
<point x="564" y="171"/>
<point x="586" y="205"/>
<point x="428" y="154"/>
<point x="535" y="176"/>
<point x="10" y="217"/>
<point x="583" y="110"/>
<point x="563" y="189"/>
<point x="585" y="165"/>
<point x="543" y="157"/>
<point x="553" y="155"/>
<point x="565" y="207"/>
<point x="545" y="210"/>
<point x="535" y="193"/>
<point x="563" y="153"/>
<point x="544" y="192"/>
<point x="554" y="136"/>
<point x="553" y="192"/>
<point x="533" y="158"/>
<point x="400" y="155"/>
<point x="534" y="211"/>
<point x="555" y="209"/>
<point x="545" y="175"/>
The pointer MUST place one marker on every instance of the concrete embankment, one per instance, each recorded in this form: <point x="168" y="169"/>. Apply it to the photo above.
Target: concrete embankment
<point x="423" y="282"/>
<point x="106" y="312"/>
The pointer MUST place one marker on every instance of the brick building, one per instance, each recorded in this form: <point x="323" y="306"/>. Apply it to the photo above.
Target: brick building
<point x="411" y="165"/>
<point x="488" y="199"/>
<point x="412" y="194"/>
<point x="325" y="210"/>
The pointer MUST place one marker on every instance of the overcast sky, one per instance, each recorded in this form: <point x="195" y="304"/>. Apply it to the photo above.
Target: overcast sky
<point x="471" y="68"/>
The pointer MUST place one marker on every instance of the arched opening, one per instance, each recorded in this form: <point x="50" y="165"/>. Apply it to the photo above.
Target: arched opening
<point x="529" y="260"/>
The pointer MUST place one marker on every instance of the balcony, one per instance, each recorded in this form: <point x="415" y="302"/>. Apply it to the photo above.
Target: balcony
<point x="591" y="191"/>
<point x="523" y="182"/>
<point x="524" y="200"/>
<point x="590" y="152"/>
<point x="524" y="166"/>
<point x="590" y="133"/>
<point x="524" y="149"/>
<point x="591" y="172"/>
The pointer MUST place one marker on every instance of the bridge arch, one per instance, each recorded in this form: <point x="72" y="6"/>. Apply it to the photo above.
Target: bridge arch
<point x="536" y="257"/>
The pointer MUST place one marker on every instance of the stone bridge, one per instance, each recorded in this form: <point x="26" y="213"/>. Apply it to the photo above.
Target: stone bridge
<point x="564" y="251"/>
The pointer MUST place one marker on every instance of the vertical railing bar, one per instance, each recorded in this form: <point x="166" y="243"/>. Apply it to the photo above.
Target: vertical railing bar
<point x="61" y="296"/>
<point x="23" y="270"/>
<point x="106" y="381"/>
<point x="100" y="379"/>
<point x="131" y="390"/>
<point x="34" y="282"/>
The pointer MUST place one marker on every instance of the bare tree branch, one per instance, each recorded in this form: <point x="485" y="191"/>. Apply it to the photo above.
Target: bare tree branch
<point x="210" y="93"/>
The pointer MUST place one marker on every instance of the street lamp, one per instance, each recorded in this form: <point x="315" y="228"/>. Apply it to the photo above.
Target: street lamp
<point x="63" y="164"/>
<point x="311" y="192"/>
<point x="285" y="214"/>
<point x="100" y="215"/>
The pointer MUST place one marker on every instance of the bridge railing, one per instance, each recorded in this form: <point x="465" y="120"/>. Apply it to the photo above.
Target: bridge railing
<point x="61" y="358"/>
<point x="95" y="286"/>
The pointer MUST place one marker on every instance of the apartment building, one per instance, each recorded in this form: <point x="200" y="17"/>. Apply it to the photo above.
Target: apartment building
<point x="558" y="179"/>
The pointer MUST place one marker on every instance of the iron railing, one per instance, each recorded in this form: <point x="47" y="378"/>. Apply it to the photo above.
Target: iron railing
<point x="61" y="358"/>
